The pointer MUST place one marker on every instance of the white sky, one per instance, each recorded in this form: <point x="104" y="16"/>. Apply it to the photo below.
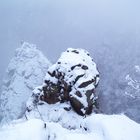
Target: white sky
<point x="112" y="26"/>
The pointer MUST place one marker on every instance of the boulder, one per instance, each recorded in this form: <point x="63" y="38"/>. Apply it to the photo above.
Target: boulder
<point x="72" y="78"/>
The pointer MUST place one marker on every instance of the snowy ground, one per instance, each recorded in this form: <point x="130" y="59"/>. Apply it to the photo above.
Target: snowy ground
<point x="99" y="127"/>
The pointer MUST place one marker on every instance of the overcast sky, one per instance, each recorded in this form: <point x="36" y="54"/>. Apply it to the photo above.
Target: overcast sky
<point x="103" y="27"/>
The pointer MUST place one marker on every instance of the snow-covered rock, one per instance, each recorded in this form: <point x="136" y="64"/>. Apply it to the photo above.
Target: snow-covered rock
<point x="73" y="78"/>
<point x="25" y="71"/>
<point x="60" y="113"/>
<point x="100" y="127"/>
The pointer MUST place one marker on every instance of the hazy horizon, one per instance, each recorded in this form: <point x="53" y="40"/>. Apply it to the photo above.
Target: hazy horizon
<point x="111" y="26"/>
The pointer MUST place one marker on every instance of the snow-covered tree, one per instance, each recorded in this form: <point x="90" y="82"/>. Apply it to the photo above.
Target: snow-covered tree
<point x="133" y="83"/>
<point x="26" y="71"/>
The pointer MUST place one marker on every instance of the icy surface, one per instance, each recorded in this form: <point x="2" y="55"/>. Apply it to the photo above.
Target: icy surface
<point x="25" y="71"/>
<point x="99" y="127"/>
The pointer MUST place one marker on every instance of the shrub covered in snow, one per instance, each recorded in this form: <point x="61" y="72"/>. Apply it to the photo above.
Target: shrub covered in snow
<point x="73" y="78"/>
<point x="133" y="83"/>
<point x="25" y="71"/>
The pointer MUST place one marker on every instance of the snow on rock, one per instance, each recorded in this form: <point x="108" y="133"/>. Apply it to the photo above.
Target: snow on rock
<point x="25" y="71"/>
<point x="73" y="78"/>
<point x="100" y="127"/>
<point x="58" y="113"/>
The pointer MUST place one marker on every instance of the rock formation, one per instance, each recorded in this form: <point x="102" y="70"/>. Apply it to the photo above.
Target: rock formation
<point x="73" y="78"/>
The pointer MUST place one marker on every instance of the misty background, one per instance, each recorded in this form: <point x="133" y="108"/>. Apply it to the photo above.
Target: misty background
<point x="108" y="29"/>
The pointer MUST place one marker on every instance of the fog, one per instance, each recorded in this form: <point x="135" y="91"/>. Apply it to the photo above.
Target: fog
<point x="108" y="29"/>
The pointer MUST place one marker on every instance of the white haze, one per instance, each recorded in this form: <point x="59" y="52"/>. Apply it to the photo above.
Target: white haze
<point x="108" y="29"/>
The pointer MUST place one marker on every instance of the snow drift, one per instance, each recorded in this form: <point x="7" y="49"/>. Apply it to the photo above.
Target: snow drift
<point x="100" y="127"/>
